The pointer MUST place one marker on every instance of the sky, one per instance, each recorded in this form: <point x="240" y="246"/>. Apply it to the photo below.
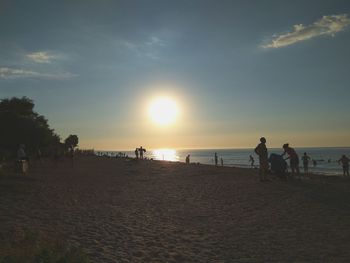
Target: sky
<point x="238" y="70"/>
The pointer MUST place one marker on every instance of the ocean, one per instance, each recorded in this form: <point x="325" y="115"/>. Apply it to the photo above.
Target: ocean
<point x="326" y="157"/>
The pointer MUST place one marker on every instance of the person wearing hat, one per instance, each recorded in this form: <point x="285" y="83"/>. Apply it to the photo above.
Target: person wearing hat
<point x="261" y="151"/>
<point x="293" y="158"/>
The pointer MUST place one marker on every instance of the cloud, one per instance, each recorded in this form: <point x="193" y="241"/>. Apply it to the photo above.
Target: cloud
<point x="149" y="48"/>
<point x="15" y="73"/>
<point x="155" y="41"/>
<point x="41" y="57"/>
<point x="327" y="25"/>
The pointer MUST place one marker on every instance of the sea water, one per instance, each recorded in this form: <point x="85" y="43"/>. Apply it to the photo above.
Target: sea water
<point x="326" y="158"/>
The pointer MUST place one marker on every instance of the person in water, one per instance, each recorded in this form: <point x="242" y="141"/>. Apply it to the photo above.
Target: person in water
<point x="306" y="159"/>
<point x="293" y="157"/>
<point x="344" y="160"/>
<point x="261" y="151"/>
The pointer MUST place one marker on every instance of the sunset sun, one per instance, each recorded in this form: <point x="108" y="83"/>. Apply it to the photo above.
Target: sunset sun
<point x="163" y="111"/>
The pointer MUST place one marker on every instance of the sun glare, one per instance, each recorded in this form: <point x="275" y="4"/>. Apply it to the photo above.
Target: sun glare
<point x="163" y="111"/>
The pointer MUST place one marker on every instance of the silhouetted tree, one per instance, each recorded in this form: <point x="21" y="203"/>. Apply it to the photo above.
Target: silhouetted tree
<point x="20" y="124"/>
<point x="71" y="141"/>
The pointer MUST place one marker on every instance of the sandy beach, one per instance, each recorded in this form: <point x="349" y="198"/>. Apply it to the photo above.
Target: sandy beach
<point x="120" y="210"/>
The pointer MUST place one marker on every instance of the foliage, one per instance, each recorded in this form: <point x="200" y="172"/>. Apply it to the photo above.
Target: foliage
<point x="71" y="141"/>
<point x="22" y="125"/>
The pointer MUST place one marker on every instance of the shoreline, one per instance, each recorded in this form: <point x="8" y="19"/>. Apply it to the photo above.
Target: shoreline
<point x="326" y="158"/>
<point x="234" y="166"/>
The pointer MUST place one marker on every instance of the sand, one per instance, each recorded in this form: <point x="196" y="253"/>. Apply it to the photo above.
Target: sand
<point x="120" y="210"/>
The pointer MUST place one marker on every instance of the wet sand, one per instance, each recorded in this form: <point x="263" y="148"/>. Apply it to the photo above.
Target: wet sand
<point x="120" y="210"/>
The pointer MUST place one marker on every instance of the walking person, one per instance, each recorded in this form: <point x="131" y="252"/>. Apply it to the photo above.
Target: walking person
<point x="251" y="160"/>
<point x="344" y="160"/>
<point x="306" y="160"/>
<point x="216" y="159"/>
<point x="293" y="158"/>
<point x="261" y="151"/>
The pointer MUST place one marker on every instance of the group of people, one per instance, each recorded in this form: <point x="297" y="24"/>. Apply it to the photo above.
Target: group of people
<point x="139" y="152"/>
<point x="216" y="159"/>
<point x="261" y="151"/>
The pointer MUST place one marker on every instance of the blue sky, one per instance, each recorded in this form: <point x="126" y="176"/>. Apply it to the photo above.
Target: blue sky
<point x="238" y="69"/>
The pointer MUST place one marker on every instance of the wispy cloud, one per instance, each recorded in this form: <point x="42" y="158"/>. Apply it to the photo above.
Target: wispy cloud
<point x="155" y="41"/>
<point x="41" y="57"/>
<point x="15" y="73"/>
<point x="148" y="49"/>
<point x="327" y="25"/>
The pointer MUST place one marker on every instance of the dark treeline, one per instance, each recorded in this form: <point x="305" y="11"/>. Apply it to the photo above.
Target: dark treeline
<point x="20" y="124"/>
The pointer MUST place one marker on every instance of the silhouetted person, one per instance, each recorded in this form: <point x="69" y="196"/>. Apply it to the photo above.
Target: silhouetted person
<point x="216" y="159"/>
<point x="306" y="159"/>
<point x="136" y="153"/>
<point x="222" y="162"/>
<point x="314" y="162"/>
<point x="345" y="163"/>
<point x="71" y="156"/>
<point x="188" y="159"/>
<point x="251" y="160"/>
<point x="38" y="155"/>
<point x="142" y="150"/>
<point x="261" y="151"/>
<point x="293" y="158"/>
<point x="21" y="154"/>
<point x="22" y="159"/>
<point x="56" y="155"/>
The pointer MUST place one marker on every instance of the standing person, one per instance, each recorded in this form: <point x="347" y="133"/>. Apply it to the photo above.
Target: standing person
<point x="344" y="160"/>
<point x="261" y="151"/>
<point x="306" y="159"/>
<point x="21" y="154"/>
<point x="222" y="162"/>
<point x="38" y="155"/>
<point x="137" y="153"/>
<point x="142" y="150"/>
<point x="22" y="159"/>
<point x="251" y="160"/>
<point x="293" y="157"/>
<point x="71" y="156"/>
<point x="216" y="159"/>
<point x="188" y="159"/>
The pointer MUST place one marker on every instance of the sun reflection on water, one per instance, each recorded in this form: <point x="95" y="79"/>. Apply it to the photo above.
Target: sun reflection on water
<point x="165" y="154"/>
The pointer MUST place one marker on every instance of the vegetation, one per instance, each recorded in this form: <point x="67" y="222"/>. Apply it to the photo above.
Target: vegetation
<point x="71" y="142"/>
<point x="22" y="125"/>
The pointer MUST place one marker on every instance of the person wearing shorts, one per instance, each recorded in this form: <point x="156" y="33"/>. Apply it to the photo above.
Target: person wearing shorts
<point x="293" y="158"/>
